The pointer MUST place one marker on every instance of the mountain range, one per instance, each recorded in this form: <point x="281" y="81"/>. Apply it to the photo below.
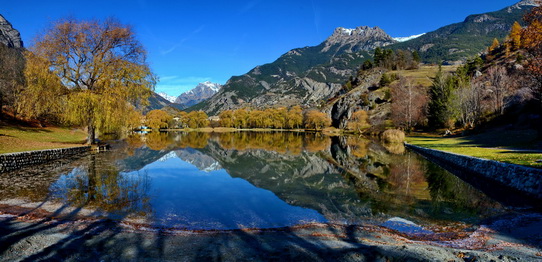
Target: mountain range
<point x="303" y="76"/>
<point x="454" y="43"/>
<point x="310" y="76"/>
<point x="201" y="92"/>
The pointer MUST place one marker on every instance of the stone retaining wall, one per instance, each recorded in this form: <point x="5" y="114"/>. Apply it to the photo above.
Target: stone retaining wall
<point x="13" y="161"/>
<point x="525" y="179"/>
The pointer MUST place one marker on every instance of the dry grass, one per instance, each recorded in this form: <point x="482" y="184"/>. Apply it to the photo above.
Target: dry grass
<point x="423" y="74"/>
<point x="393" y="136"/>
<point x="17" y="139"/>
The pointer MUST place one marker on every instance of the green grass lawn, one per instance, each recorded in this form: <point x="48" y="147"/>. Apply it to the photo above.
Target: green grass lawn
<point x="17" y="139"/>
<point x="511" y="146"/>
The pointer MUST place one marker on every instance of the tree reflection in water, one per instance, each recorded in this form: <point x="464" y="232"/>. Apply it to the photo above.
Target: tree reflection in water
<point x="344" y="178"/>
<point x="104" y="188"/>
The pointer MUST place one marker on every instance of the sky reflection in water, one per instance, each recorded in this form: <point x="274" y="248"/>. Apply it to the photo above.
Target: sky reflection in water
<point x="257" y="180"/>
<point x="184" y="196"/>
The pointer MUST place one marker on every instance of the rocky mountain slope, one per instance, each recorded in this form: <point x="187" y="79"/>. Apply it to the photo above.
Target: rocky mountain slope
<point x="310" y="76"/>
<point x="156" y="101"/>
<point x="303" y="76"/>
<point x="364" y="96"/>
<point x="456" y="42"/>
<point x="201" y="92"/>
<point x="8" y="35"/>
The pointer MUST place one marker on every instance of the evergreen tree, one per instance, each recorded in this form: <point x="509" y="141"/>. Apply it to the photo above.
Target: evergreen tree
<point x="416" y="57"/>
<point x="378" y="56"/>
<point x="367" y="65"/>
<point x="440" y="95"/>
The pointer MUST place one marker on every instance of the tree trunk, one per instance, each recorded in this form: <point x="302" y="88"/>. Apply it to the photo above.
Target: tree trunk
<point x="91" y="133"/>
<point x="92" y="177"/>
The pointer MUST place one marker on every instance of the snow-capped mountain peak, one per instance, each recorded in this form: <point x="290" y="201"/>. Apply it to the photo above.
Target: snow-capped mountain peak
<point x="200" y="93"/>
<point x="406" y="38"/>
<point x="168" y="97"/>
<point x="347" y="31"/>
<point x="213" y="86"/>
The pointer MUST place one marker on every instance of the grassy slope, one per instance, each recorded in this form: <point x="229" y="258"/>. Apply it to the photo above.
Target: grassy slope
<point x="17" y="139"/>
<point x="510" y="146"/>
<point x="423" y="75"/>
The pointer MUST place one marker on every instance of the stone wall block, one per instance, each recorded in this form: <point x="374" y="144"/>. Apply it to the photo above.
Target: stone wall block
<point x="522" y="178"/>
<point x="13" y="161"/>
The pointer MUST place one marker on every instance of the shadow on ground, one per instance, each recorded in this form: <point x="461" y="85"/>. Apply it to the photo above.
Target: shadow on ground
<point x="107" y="240"/>
<point x="62" y="239"/>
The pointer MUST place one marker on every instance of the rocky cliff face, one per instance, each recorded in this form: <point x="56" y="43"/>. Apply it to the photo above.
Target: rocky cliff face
<point x="304" y="76"/>
<point x="200" y="93"/>
<point x="8" y="35"/>
<point x="341" y="108"/>
<point x="359" y="39"/>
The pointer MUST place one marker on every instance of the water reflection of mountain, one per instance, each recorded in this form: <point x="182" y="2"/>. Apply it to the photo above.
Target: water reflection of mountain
<point x="200" y="160"/>
<point x="353" y="180"/>
<point x="139" y="158"/>
<point x="347" y="178"/>
<point x="296" y="179"/>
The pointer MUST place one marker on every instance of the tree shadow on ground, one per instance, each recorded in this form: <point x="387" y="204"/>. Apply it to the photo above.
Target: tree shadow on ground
<point x="62" y="239"/>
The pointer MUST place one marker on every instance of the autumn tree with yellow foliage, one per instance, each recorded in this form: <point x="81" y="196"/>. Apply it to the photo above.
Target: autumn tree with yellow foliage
<point x="90" y="73"/>
<point x="157" y="119"/>
<point x="494" y="45"/>
<point x="295" y="117"/>
<point x="316" y="120"/>
<point x="359" y="121"/>
<point x="531" y="39"/>
<point x="197" y="119"/>
<point x="514" y="37"/>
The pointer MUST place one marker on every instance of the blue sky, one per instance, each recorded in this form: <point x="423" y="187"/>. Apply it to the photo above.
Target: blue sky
<point x="194" y="41"/>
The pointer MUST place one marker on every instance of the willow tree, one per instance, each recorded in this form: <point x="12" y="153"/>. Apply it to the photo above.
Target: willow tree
<point x="93" y="73"/>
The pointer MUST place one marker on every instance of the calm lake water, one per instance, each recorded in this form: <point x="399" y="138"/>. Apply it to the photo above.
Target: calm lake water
<point x="255" y="180"/>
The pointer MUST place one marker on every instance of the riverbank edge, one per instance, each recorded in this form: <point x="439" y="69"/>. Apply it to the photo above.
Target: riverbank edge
<point x="527" y="180"/>
<point x="14" y="161"/>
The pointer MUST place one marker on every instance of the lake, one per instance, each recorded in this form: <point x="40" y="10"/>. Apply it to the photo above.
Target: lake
<point x="223" y="181"/>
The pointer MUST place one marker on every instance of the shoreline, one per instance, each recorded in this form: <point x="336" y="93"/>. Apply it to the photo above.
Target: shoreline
<point x="32" y="236"/>
<point x="516" y="178"/>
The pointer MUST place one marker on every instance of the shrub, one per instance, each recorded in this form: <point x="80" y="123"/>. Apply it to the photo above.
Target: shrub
<point x="393" y="136"/>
